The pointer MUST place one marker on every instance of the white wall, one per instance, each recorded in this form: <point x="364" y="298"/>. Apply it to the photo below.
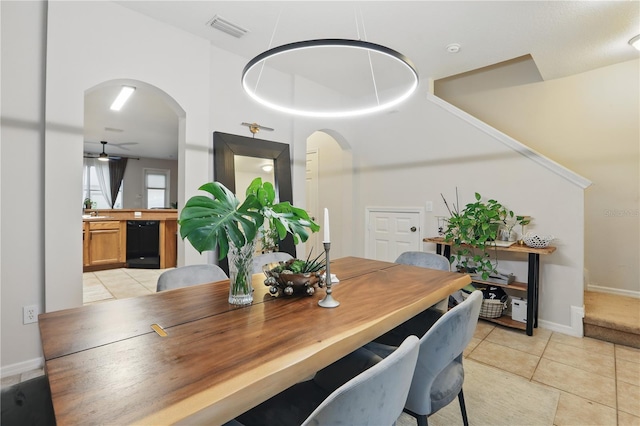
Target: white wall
<point x="410" y="157"/>
<point x="22" y="179"/>
<point x="164" y="57"/>
<point x="589" y="122"/>
<point x="133" y="182"/>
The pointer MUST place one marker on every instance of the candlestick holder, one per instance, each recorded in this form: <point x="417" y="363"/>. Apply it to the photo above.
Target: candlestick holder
<point x="328" y="301"/>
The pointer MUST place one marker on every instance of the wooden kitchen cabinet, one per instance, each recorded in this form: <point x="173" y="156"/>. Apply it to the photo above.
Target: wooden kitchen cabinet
<point x="106" y="242"/>
<point x="105" y="237"/>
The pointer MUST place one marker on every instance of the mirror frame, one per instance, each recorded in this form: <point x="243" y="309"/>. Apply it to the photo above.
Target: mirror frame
<point x="226" y="146"/>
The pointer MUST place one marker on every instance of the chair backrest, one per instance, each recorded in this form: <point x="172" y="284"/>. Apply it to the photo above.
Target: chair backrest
<point x="375" y="396"/>
<point x="262" y="259"/>
<point x="27" y="403"/>
<point x="423" y="259"/>
<point x="190" y="275"/>
<point x="441" y="345"/>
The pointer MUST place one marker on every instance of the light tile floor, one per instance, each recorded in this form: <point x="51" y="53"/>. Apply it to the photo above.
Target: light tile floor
<point x="102" y="286"/>
<point x="599" y="382"/>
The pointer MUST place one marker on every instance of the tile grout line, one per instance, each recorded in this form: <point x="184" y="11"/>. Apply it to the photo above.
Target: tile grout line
<point x="615" y="380"/>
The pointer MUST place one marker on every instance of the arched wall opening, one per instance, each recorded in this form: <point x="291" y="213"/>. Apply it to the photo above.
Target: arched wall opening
<point x="329" y="184"/>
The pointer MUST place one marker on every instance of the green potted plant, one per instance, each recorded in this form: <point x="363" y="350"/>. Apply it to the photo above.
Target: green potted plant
<point x="222" y="222"/>
<point x="473" y="232"/>
<point x="295" y="275"/>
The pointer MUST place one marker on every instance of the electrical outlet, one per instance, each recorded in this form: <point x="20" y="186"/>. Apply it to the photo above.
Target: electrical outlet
<point x="29" y="314"/>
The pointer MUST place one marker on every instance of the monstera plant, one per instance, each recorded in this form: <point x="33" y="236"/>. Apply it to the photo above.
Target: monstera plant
<point x="220" y="221"/>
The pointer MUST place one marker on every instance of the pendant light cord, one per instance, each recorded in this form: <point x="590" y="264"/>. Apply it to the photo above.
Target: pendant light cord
<point x="364" y="30"/>
<point x="273" y="34"/>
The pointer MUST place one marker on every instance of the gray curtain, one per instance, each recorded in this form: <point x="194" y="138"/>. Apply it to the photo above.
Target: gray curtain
<point x="116" y="174"/>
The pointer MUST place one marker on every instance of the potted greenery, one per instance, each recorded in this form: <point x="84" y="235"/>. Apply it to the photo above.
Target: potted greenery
<point x="474" y="230"/>
<point x="295" y="275"/>
<point x="223" y="223"/>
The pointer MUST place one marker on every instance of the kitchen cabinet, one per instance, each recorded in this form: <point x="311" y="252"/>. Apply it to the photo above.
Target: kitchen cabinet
<point x="105" y="237"/>
<point x="104" y="242"/>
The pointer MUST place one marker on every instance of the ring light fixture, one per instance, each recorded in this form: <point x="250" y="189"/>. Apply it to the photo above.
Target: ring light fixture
<point x="260" y="60"/>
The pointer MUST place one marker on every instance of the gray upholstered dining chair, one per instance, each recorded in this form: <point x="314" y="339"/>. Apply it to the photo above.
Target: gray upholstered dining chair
<point x="419" y="324"/>
<point x="439" y="373"/>
<point x="262" y="259"/>
<point x="190" y="275"/>
<point x="374" y="396"/>
<point x="27" y="403"/>
<point x="424" y="259"/>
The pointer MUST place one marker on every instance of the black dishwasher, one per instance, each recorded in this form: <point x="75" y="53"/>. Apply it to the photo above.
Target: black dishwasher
<point x="143" y="244"/>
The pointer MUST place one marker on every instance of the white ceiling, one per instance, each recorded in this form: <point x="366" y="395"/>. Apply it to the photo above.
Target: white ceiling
<point x="562" y="37"/>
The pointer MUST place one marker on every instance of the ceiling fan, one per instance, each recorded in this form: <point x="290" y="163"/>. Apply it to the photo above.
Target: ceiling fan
<point x="255" y="128"/>
<point x="103" y="156"/>
<point x="120" y="145"/>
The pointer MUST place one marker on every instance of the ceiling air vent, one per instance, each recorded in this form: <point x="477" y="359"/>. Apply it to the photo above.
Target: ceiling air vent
<point x="225" y="26"/>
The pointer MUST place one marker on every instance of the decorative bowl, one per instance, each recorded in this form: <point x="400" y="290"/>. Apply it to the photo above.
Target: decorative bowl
<point x="537" y="241"/>
<point x="283" y="281"/>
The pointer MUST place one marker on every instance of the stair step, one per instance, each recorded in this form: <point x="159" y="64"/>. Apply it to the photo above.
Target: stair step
<point x="612" y="318"/>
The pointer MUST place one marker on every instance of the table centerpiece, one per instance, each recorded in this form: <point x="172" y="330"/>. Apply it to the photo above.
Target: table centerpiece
<point x="222" y="222"/>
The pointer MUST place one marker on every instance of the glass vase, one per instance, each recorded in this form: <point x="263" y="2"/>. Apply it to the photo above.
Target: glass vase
<point x="240" y="273"/>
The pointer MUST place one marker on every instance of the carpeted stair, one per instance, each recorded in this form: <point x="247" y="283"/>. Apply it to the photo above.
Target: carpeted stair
<point x="612" y="318"/>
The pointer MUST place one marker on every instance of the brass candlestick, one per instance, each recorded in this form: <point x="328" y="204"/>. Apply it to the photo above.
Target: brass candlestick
<point x="328" y="301"/>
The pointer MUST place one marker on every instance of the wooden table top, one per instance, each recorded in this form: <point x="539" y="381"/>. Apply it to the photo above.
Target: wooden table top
<point x="106" y="365"/>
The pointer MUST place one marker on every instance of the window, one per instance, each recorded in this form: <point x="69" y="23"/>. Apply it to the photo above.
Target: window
<point x="156" y="188"/>
<point x="91" y="189"/>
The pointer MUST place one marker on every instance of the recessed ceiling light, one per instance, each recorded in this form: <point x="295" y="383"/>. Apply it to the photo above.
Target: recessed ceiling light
<point x="635" y="42"/>
<point x="124" y="94"/>
<point x="453" y="48"/>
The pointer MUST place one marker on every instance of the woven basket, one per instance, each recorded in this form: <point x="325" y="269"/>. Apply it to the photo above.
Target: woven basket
<point x="490" y="308"/>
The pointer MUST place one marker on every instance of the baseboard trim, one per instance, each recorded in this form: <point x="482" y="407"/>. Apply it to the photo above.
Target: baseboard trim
<point x="611" y="290"/>
<point x="21" y="367"/>
<point x="577" y="327"/>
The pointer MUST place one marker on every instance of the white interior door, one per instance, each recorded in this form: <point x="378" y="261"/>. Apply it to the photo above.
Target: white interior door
<point x="391" y="231"/>
<point x="311" y="182"/>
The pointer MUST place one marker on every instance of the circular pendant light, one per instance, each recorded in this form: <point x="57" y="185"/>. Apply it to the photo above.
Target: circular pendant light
<point x="390" y="77"/>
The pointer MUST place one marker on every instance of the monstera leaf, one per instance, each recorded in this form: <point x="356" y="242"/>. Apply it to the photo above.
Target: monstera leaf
<point x="210" y="223"/>
<point x="282" y="216"/>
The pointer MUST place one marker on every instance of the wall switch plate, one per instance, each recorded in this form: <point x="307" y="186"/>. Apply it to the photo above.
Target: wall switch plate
<point x="428" y="206"/>
<point x="137" y="214"/>
<point x="29" y="314"/>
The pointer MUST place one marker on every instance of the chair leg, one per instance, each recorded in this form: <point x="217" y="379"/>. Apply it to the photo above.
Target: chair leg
<point x="420" y="418"/>
<point x="463" y="408"/>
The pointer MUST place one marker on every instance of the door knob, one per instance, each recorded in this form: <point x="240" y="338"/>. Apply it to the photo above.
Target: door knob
<point x="413" y="229"/>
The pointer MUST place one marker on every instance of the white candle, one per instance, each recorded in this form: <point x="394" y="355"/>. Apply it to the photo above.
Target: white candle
<point x="326" y="226"/>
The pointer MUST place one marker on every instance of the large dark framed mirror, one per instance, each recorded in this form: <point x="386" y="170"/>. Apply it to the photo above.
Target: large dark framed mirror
<point x="225" y="149"/>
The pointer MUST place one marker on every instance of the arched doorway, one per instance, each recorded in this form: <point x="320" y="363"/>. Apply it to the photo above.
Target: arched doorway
<point x="146" y="131"/>
<point x="329" y="184"/>
<point x="63" y="152"/>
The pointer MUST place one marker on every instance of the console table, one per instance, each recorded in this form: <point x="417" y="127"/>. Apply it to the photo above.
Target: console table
<point x="531" y="286"/>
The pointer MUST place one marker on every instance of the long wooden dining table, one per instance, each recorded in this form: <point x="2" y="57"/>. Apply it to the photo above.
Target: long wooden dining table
<point x="106" y="365"/>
